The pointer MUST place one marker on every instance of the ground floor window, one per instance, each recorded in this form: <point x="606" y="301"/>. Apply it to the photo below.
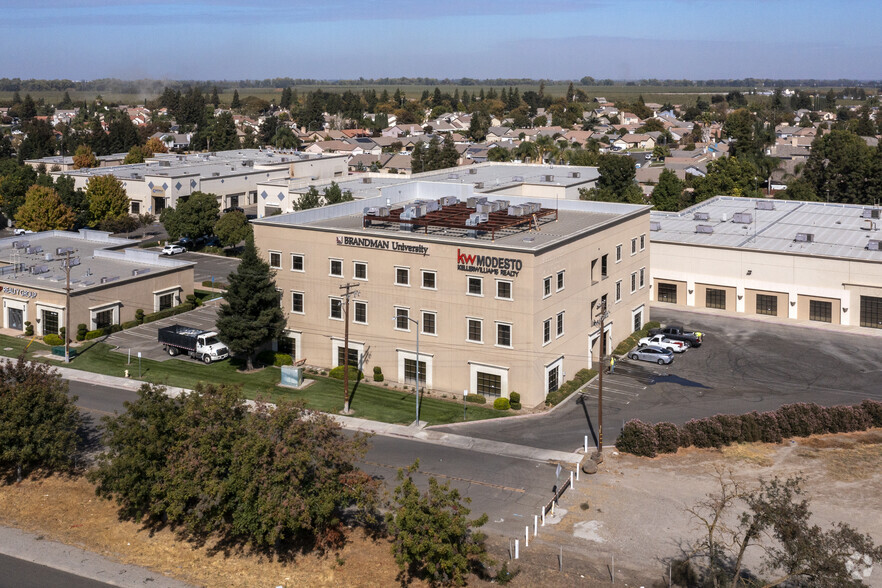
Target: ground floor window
<point x="667" y="292"/>
<point x="15" y="318"/>
<point x="489" y="384"/>
<point x="871" y="312"/>
<point x="715" y="298"/>
<point x="410" y="372"/>
<point x="166" y="301"/>
<point x="50" y="322"/>
<point x="638" y="320"/>
<point x="766" y="304"/>
<point x="553" y="379"/>
<point x="103" y="318"/>
<point x="288" y="346"/>
<point x="820" y="311"/>
<point x="353" y="355"/>
<point x="136" y="207"/>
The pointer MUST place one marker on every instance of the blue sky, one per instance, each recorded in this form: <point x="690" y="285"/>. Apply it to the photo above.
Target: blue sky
<point x="330" y="39"/>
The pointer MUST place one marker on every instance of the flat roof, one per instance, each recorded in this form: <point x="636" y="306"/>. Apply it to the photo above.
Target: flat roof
<point x="33" y="261"/>
<point x="837" y="230"/>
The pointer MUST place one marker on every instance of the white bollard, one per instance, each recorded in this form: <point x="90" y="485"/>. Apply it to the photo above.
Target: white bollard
<point x="535" y="525"/>
<point x="527" y="536"/>
<point x="586" y="444"/>
<point x="577" y="472"/>
<point x="517" y="545"/>
<point x="571" y="480"/>
<point x="543" y="516"/>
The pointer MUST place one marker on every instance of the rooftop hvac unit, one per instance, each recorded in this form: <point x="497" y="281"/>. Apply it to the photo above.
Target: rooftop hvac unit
<point x="485" y="207"/>
<point x="533" y="207"/>
<point x="479" y="185"/>
<point x="548" y="178"/>
<point x="167" y="163"/>
<point x="63" y="250"/>
<point x="474" y="201"/>
<point x="503" y="204"/>
<point x="74" y="261"/>
<point x="39" y="269"/>
<point x="136" y="176"/>
<point x="495" y="206"/>
<point x="744" y="218"/>
<point x="703" y="216"/>
<point x="449" y="201"/>
<point x="473" y="171"/>
<point x="805" y="237"/>
<point x="707" y="229"/>
<point x="48" y="257"/>
<point x="374" y="210"/>
<point x="870" y="213"/>
<point x="868" y="225"/>
<point x="516" y="210"/>
<point x="765" y="205"/>
<point x="479" y="217"/>
<point x="575" y="174"/>
<point x="35" y="249"/>
<point x="215" y="174"/>
<point x="366" y="180"/>
<point x="383" y="211"/>
<point x="452" y="176"/>
<point x="141" y="270"/>
<point x="21" y="244"/>
<point x="654" y="226"/>
<point x="431" y="205"/>
<point x="517" y="179"/>
<point x="873" y="245"/>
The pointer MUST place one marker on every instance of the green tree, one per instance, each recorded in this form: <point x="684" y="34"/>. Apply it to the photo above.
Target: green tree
<point x="310" y="199"/>
<point x="84" y="157"/>
<point x="39" y="422"/>
<point x="15" y="180"/>
<point x="449" y="156"/>
<point x="194" y="217"/>
<point x="232" y="228"/>
<point x="799" y="189"/>
<point x="224" y="136"/>
<point x="497" y="153"/>
<point x="28" y="110"/>
<point x="842" y="165"/>
<point x="43" y="210"/>
<point x="121" y="134"/>
<point x="616" y="182"/>
<point x="668" y="193"/>
<point x="135" y="155"/>
<point x="251" y="315"/>
<point x="284" y="138"/>
<point x="432" y="536"/>
<point x="107" y="198"/>
<point x="235" y="103"/>
<point x="731" y="176"/>
<point x="479" y="125"/>
<point x="333" y="195"/>
<point x="39" y="140"/>
<point x="73" y="197"/>
<point x="215" y="99"/>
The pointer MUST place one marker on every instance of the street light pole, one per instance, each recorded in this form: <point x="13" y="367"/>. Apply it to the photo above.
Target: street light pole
<point x="417" y="323"/>
<point x="347" y="295"/>
<point x="602" y="315"/>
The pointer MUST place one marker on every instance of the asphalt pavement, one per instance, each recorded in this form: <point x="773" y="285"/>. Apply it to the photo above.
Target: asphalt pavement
<point x="210" y="267"/>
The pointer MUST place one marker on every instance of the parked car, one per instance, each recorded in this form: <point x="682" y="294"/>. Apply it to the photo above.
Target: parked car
<point x="652" y="353"/>
<point x="234" y="209"/>
<point x="679" y="334"/>
<point x="211" y="241"/>
<point x="648" y="156"/>
<point x="172" y="249"/>
<point x="664" y="343"/>
<point x="186" y="242"/>
<point x="18" y="232"/>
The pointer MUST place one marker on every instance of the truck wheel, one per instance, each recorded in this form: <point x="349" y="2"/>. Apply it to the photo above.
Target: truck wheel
<point x="173" y="351"/>
<point x="206" y="358"/>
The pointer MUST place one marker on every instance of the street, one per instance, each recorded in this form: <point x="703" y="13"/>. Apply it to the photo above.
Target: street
<point x="18" y="573"/>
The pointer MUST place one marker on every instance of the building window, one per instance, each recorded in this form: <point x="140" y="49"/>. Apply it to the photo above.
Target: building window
<point x="618" y="290"/>
<point x="475" y="286"/>
<point x="546" y="287"/>
<point x="489" y="384"/>
<point x="618" y="253"/>
<point x="604" y="267"/>
<point x="560" y="324"/>
<point x="638" y="320"/>
<point x="103" y="318"/>
<point x="429" y="280"/>
<point x="287" y="345"/>
<point x="642" y="276"/>
<point x="503" y="289"/>
<point x="633" y="282"/>
<point x="603" y="304"/>
<point x="715" y="298"/>
<point x="275" y="259"/>
<point x="359" y="271"/>
<point x="50" y="322"/>
<point x="360" y="312"/>
<point x="341" y="354"/>
<point x="634" y="246"/>
<point x="503" y="334"/>
<point x="871" y="312"/>
<point x="336" y="268"/>
<point x="296" y="262"/>
<point x="297" y="302"/>
<point x="546" y="331"/>
<point x="766" y="304"/>
<point x="166" y="301"/>
<point x="410" y="366"/>
<point x="402" y="322"/>
<point x="642" y="242"/>
<point x="667" y="292"/>
<point x="560" y="281"/>
<point x="402" y="276"/>
<point x="337" y="308"/>
<point x="820" y="311"/>
<point x="428" y="323"/>
<point x="136" y="207"/>
<point x="553" y="378"/>
<point x="474" y="331"/>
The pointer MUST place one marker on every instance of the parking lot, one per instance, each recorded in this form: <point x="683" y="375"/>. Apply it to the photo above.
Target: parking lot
<point x="743" y="365"/>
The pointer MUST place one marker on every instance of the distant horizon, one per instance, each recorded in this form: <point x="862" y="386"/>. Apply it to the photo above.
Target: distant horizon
<point x="627" y="40"/>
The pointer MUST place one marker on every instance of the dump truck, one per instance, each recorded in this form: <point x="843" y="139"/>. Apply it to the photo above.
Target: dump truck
<point x="196" y="343"/>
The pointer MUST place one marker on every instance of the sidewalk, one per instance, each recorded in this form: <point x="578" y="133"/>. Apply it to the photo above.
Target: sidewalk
<point x="367" y="426"/>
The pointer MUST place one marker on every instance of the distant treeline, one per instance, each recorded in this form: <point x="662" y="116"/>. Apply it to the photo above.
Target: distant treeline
<point x="147" y="86"/>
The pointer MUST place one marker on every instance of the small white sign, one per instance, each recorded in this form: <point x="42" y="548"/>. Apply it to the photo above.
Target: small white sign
<point x="139" y="357"/>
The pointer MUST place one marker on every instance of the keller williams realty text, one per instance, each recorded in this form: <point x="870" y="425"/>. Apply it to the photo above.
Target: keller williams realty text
<point x="488" y="264"/>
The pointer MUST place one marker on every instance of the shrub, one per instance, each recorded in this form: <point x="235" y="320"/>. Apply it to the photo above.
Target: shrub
<point x="668" y="437"/>
<point x="638" y="438"/>
<point x="873" y="410"/>
<point x="705" y="432"/>
<point x="139" y="315"/>
<point x="378" y="374"/>
<point x="29" y="329"/>
<point x="218" y="285"/>
<point x="476" y="399"/>
<point x="802" y="420"/>
<point x="281" y="359"/>
<point x="501" y="404"/>
<point x="94" y="334"/>
<point x="185" y="307"/>
<point x="130" y="324"/>
<point x="82" y="329"/>
<point x="845" y="419"/>
<point x="515" y="405"/>
<point x="52" y="339"/>
<point x="730" y="427"/>
<point x="270" y="357"/>
<point x="514" y="397"/>
<point x="354" y="372"/>
<point x="770" y="429"/>
<point x="582" y="376"/>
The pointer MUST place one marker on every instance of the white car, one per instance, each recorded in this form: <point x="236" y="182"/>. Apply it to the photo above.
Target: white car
<point x="18" y="232"/>
<point x="664" y="343"/>
<point x="172" y="249"/>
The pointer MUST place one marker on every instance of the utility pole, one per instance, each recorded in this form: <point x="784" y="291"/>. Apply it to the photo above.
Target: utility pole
<point x="601" y="317"/>
<point x="349" y="293"/>
<point x="67" y="310"/>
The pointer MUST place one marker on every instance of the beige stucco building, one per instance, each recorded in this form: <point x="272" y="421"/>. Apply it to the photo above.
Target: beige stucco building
<point x="498" y="308"/>
<point x="108" y="284"/>
<point x="807" y="261"/>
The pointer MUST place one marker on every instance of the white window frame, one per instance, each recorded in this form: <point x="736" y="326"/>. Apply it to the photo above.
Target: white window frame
<point x="331" y="261"/>
<point x="355" y="312"/>
<point x="405" y="268"/>
<point x="618" y="291"/>
<point x="426" y="358"/>
<point x="270" y="259"/>
<point x="302" y="262"/>
<point x="642" y="241"/>
<point x="331" y="306"/>
<point x="559" y="280"/>
<point x="302" y="302"/>
<point x="546" y="339"/>
<point x="546" y="291"/>
<point x="407" y="322"/>
<point x="561" y="376"/>
<point x="634" y="246"/>
<point x="496" y="370"/>
<point x="423" y="273"/>
<point x="355" y="265"/>
<point x="510" y="335"/>
<point x="338" y="343"/>
<point x="480" y="281"/>
<point x="41" y="306"/>
<point x="157" y="294"/>
<point x="94" y="310"/>
<point x="640" y="309"/>
<point x="423" y="330"/>
<point x="559" y="325"/>
<point x="642" y="280"/>
<point x="619" y="253"/>
<point x="633" y="282"/>
<point x="469" y="320"/>
<point x="510" y="289"/>
<point x="297" y="336"/>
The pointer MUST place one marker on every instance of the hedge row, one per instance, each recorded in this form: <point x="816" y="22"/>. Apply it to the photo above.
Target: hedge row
<point x="218" y="285"/>
<point x="570" y="386"/>
<point x="791" y="420"/>
<point x="629" y="343"/>
<point x="184" y="307"/>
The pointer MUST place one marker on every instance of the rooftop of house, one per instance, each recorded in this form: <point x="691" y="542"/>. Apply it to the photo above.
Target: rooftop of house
<point x="37" y="260"/>
<point x="784" y="226"/>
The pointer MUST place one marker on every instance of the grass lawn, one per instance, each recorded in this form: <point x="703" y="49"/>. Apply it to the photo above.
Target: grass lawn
<point x="326" y="394"/>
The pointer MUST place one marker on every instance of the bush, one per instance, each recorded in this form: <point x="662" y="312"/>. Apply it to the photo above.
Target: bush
<point x="82" y="329"/>
<point x="873" y="410"/>
<point x="582" y="376"/>
<point x="501" y="404"/>
<point x="354" y="372"/>
<point x="52" y="339"/>
<point x="139" y="315"/>
<point x="514" y="397"/>
<point x="515" y="405"/>
<point x="185" y="307"/>
<point x="802" y="420"/>
<point x="770" y="429"/>
<point x="130" y="324"/>
<point x="218" y="285"/>
<point x="476" y="399"/>
<point x="845" y="419"/>
<point x="29" y="329"/>
<point x="378" y="374"/>
<point x="668" y="437"/>
<point x="270" y="357"/>
<point x="705" y="432"/>
<point x="638" y="438"/>
<point x="94" y="334"/>
<point x="730" y="427"/>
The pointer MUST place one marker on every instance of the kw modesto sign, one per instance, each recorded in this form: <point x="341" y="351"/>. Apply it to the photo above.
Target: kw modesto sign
<point x="488" y="264"/>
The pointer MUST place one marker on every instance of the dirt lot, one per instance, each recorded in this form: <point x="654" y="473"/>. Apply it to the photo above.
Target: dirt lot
<point x="633" y="510"/>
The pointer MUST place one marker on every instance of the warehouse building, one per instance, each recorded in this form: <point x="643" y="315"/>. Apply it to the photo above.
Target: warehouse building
<point x="107" y="283"/>
<point x="503" y="293"/>
<point x="807" y="261"/>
